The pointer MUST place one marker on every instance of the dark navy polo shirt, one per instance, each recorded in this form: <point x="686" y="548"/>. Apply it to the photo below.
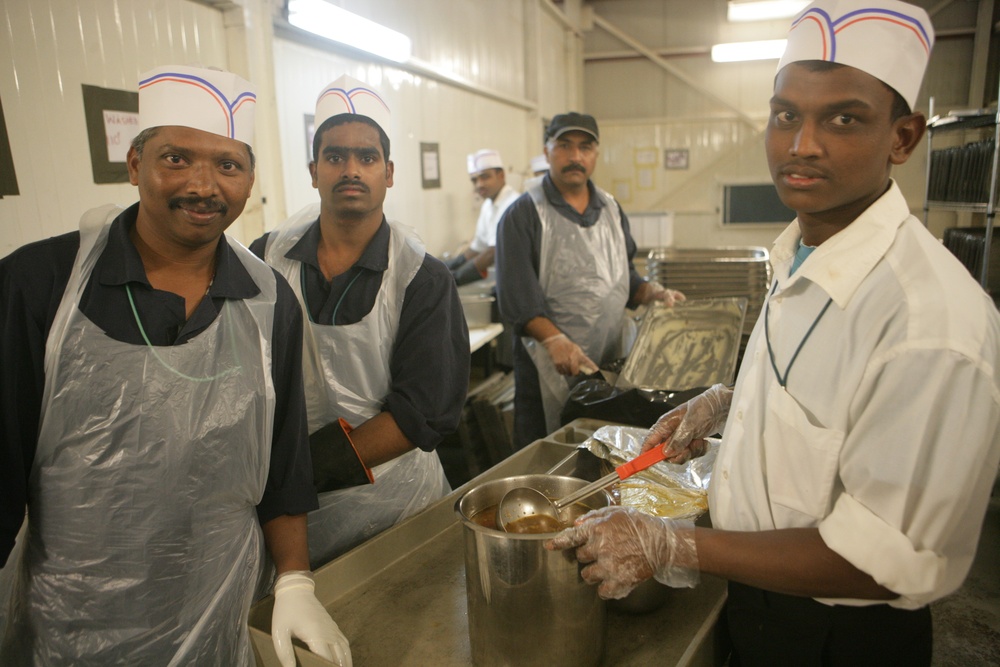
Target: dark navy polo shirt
<point x="429" y="369"/>
<point x="32" y="281"/>
<point x="519" y="235"/>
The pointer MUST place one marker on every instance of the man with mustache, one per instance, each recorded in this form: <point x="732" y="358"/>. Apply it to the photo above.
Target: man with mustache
<point x="386" y="359"/>
<point x="153" y="417"/>
<point x="490" y="182"/>
<point x="861" y="442"/>
<point x="565" y="277"/>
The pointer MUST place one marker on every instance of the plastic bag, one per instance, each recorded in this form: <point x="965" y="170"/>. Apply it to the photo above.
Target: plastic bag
<point x="675" y="491"/>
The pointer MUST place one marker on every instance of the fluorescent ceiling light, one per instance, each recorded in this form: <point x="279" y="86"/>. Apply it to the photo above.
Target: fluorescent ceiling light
<point x="321" y="18"/>
<point x="738" y="51"/>
<point x="764" y="10"/>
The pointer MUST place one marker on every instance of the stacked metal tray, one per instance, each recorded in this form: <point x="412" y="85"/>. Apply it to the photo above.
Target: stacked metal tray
<point x="724" y="271"/>
<point x="967" y="244"/>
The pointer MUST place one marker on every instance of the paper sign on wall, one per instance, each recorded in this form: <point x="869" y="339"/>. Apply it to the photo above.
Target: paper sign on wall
<point x="430" y="172"/>
<point x="120" y="128"/>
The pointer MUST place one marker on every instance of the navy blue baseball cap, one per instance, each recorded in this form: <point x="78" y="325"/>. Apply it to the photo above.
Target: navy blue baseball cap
<point x="569" y="122"/>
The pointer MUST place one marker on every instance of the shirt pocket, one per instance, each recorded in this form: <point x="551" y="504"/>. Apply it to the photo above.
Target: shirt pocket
<point x="801" y="462"/>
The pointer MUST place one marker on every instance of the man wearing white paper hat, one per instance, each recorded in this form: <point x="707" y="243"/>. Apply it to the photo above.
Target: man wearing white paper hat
<point x="539" y="165"/>
<point x="153" y="418"/>
<point x="386" y="359"/>
<point x="490" y="182"/>
<point x="869" y="391"/>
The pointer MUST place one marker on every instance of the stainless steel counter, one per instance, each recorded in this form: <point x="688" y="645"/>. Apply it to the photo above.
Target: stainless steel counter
<point x="400" y="597"/>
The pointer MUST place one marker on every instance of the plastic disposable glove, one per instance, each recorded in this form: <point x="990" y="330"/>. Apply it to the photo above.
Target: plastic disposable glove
<point x="624" y="547"/>
<point x="567" y="356"/>
<point x="657" y="292"/>
<point x="685" y="428"/>
<point x="297" y="613"/>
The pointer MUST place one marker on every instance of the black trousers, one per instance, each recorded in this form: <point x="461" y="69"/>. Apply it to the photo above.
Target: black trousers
<point x="772" y="630"/>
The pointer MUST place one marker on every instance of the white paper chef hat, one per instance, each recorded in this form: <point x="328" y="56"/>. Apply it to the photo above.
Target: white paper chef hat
<point x="348" y="95"/>
<point x="481" y="160"/>
<point x="206" y="99"/>
<point x="890" y="40"/>
<point x="539" y="163"/>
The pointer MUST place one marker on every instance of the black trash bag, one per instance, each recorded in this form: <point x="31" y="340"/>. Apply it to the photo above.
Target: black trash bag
<point x="594" y="398"/>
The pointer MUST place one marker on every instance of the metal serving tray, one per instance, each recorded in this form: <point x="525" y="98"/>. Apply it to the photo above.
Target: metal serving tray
<point x="400" y="597"/>
<point x="692" y="344"/>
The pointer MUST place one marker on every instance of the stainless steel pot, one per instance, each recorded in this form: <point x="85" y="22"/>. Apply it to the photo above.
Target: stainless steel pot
<point x="528" y="606"/>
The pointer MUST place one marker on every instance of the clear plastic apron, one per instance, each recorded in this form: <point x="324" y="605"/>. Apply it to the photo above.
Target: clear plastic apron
<point x="143" y="545"/>
<point x="583" y="272"/>
<point x="346" y="374"/>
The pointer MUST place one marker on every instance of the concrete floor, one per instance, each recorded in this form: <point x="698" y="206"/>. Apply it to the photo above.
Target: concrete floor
<point x="967" y="623"/>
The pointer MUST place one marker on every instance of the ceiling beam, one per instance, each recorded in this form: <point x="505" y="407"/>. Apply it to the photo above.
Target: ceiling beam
<point x="621" y="35"/>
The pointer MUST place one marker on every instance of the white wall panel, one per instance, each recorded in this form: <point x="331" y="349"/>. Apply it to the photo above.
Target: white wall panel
<point x="48" y="49"/>
<point x="558" y="51"/>
<point x="478" y="40"/>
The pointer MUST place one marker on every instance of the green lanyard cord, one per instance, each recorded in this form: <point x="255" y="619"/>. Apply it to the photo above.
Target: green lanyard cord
<point x="305" y="299"/>
<point x="767" y="337"/>
<point x="163" y="362"/>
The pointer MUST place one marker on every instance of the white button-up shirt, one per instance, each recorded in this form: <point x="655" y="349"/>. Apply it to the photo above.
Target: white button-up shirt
<point x="489" y="218"/>
<point x="887" y="433"/>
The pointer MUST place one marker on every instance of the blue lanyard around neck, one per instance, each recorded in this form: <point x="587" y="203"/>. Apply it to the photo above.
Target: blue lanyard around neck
<point x="163" y="362"/>
<point x="783" y="380"/>
<point x="305" y="299"/>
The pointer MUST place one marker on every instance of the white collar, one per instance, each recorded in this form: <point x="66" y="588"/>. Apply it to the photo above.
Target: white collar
<point x="841" y="263"/>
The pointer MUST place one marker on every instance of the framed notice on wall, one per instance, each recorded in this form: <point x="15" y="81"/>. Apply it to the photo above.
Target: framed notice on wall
<point x="675" y="158"/>
<point x="112" y="122"/>
<point x="430" y="166"/>
<point x="8" y="179"/>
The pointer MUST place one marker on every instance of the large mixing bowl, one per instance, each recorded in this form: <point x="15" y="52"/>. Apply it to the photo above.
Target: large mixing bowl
<point x="527" y="605"/>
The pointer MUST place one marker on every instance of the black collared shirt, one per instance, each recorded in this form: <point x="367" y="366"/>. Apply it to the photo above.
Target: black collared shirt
<point x="32" y="281"/>
<point x="519" y="246"/>
<point x="429" y="369"/>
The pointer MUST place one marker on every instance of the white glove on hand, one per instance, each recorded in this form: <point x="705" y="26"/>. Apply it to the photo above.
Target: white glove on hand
<point x="657" y="292"/>
<point x="624" y="547"/>
<point x="685" y="428"/>
<point x="297" y="613"/>
<point x="567" y="356"/>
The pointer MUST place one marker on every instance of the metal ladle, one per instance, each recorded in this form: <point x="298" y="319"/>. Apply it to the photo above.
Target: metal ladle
<point x="523" y="502"/>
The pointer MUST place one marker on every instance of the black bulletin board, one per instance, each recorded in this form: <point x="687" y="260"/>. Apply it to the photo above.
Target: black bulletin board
<point x="8" y="178"/>
<point x="755" y="203"/>
<point x="95" y="101"/>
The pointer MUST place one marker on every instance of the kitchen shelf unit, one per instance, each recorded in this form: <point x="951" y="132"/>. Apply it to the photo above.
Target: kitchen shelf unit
<point x="983" y="200"/>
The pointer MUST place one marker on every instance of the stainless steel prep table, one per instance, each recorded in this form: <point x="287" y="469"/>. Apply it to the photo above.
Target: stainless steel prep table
<point x="400" y="597"/>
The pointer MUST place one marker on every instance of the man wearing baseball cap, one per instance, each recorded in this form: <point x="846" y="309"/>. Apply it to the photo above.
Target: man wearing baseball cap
<point x="153" y="418"/>
<point x="860" y="444"/>
<point x="564" y="277"/>
<point x="386" y="345"/>
<point x="489" y="179"/>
